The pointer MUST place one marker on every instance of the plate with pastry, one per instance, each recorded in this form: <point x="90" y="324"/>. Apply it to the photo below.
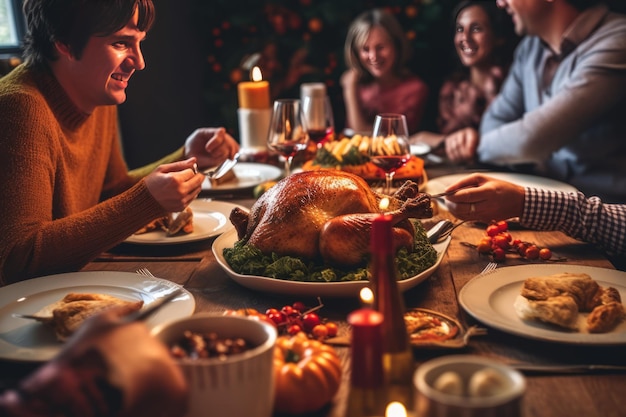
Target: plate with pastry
<point x="572" y="304"/>
<point x="202" y="219"/>
<point x="241" y="176"/>
<point x="37" y="315"/>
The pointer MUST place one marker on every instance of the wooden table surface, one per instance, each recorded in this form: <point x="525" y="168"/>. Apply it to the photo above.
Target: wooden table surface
<point x="548" y="395"/>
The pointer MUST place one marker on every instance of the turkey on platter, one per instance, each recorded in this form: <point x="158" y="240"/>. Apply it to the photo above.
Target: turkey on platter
<point x="327" y="214"/>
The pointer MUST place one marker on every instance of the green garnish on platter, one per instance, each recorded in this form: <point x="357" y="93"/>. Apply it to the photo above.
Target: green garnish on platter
<point x="247" y="260"/>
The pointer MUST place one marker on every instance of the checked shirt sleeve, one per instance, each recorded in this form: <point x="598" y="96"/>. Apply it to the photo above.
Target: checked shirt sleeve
<point x="587" y="219"/>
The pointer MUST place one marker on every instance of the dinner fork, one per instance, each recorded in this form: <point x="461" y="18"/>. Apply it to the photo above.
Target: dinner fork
<point x="145" y="272"/>
<point x="489" y="267"/>
<point x="152" y="308"/>
<point x="442" y="230"/>
<point x="447" y="193"/>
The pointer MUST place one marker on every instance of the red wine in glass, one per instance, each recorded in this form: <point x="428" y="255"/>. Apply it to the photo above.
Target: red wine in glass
<point x="289" y="149"/>
<point x="321" y="136"/>
<point x="287" y="133"/>
<point x="389" y="148"/>
<point x="390" y="163"/>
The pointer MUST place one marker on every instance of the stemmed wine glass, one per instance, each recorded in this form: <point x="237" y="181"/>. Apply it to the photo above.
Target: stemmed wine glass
<point x="287" y="132"/>
<point x="318" y="113"/>
<point x="389" y="148"/>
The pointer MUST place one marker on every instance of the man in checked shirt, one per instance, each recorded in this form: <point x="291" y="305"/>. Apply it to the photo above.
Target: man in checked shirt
<point x="582" y="217"/>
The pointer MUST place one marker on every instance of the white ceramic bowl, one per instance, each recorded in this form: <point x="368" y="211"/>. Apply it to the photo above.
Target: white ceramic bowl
<point x="434" y="402"/>
<point x="241" y="385"/>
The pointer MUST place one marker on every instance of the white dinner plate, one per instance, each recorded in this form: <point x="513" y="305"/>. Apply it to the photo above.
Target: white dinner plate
<point x="210" y="218"/>
<point x="314" y="289"/>
<point x="420" y="149"/>
<point x="249" y="174"/>
<point x="489" y="298"/>
<point x="440" y="184"/>
<point x="31" y="341"/>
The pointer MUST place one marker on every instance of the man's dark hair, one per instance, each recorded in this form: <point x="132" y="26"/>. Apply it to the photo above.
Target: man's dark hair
<point x="73" y="22"/>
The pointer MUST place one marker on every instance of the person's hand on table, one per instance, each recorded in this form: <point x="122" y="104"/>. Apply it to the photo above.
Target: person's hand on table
<point x="108" y="368"/>
<point x="210" y="146"/>
<point x="175" y="185"/>
<point x="461" y="145"/>
<point x="491" y="199"/>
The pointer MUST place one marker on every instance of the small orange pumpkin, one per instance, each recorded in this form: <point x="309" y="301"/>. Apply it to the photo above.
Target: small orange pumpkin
<point x="307" y="374"/>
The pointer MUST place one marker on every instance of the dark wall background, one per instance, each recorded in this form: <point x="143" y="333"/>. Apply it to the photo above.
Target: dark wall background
<point x="165" y="101"/>
<point x="195" y="50"/>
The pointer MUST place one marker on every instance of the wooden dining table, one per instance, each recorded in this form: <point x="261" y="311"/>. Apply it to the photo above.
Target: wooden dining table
<point x="548" y="393"/>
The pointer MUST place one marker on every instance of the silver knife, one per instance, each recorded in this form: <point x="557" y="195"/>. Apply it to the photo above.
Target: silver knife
<point x="567" y="369"/>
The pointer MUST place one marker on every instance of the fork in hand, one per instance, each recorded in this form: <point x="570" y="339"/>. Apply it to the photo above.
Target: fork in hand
<point x="444" y="194"/>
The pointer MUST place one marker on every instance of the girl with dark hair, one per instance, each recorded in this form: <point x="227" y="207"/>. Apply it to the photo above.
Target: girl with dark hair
<point x="482" y="41"/>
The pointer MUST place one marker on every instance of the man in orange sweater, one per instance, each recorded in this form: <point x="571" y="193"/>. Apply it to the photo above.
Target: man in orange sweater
<point x="67" y="194"/>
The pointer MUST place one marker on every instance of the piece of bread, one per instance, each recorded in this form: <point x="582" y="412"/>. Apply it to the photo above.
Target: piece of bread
<point x="608" y="311"/>
<point x="581" y="287"/>
<point x="171" y="224"/>
<point x="69" y="313"/>
<point x="180" y="221"/>
<point x="227" y="177"/>
<point x="559" y="298"/>
<point x="561" y="310"/>
<point x="156" y="224"/>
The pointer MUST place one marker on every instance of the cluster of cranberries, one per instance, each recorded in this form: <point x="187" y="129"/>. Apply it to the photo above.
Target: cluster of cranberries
<point x="294" y="318"/>
<point x="498" y="242"/>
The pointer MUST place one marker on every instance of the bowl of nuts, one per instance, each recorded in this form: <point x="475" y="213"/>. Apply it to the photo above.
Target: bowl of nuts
<point x="227" y="361"/>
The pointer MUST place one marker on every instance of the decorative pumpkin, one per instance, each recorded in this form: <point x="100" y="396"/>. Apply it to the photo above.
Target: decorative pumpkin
<point x="307" y="374"/>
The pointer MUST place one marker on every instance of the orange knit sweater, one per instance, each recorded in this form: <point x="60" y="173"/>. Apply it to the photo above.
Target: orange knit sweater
<point x="66" y="194"/>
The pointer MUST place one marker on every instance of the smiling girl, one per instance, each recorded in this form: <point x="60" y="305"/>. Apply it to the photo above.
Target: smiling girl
<point x="377" y="79"/>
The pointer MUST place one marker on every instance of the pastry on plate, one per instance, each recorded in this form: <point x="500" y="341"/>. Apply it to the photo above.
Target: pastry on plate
<point x="559" y="298"/>
<point x="172" y="224"/>
<point x="66" y="315"/>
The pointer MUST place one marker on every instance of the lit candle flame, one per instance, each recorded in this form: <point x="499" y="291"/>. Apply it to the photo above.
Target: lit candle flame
<point x="367" y="296"/>
<point x="395" y="409"/>
<point x="384" y="204"/>
<point x="256" y="74"/>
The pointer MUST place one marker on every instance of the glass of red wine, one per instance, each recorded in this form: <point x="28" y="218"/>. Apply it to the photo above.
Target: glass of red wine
<point x="287" y="133"/>
<point x="318" y="114"/>
<point x="389" y="148"/>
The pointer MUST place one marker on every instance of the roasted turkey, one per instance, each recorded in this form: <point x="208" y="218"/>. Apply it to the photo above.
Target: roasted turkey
<point x="327" y="214"/>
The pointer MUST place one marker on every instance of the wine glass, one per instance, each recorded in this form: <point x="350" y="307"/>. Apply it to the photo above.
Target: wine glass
<point x="389" y="148"/>
<point x="287" y="132"/>
<point x="318" y="114"/>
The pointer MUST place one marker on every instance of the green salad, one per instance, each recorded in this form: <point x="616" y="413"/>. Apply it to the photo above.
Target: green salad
<point x="247" y="260"/>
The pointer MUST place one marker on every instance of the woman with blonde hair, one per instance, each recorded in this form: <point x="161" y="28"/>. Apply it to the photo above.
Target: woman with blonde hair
<point x="377" y="79"/>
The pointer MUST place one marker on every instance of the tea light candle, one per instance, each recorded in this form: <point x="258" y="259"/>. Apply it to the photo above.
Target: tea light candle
<point x="254" y="112"/>
<point x="397" y="409"/>
<point x="383" y="204"/>
<point x="367" y="297"/>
